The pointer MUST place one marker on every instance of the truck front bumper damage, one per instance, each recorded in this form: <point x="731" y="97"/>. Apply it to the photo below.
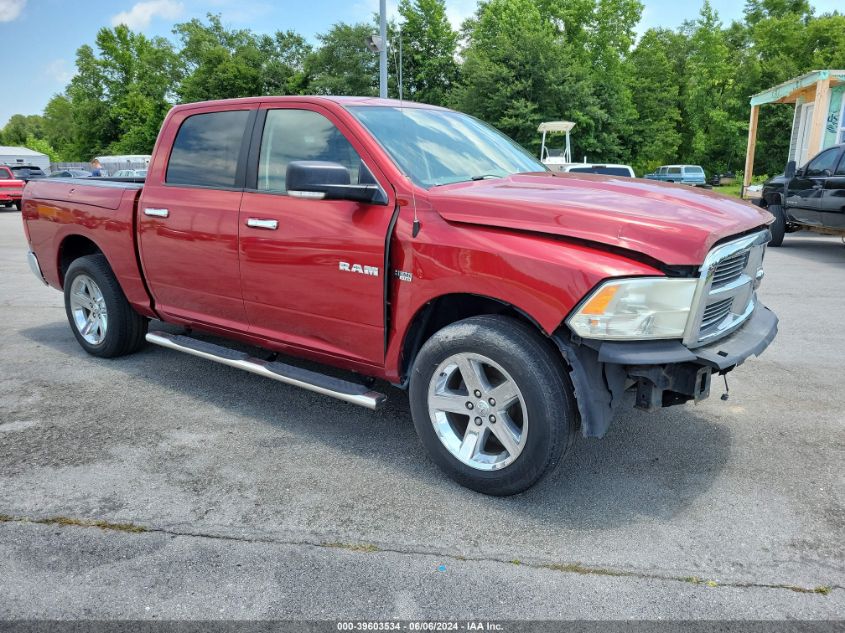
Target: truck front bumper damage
<point x="662" y="373"/>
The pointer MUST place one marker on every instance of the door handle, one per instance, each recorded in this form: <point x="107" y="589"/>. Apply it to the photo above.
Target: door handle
<point x="258" y="223"/>
<point x="157" y="213"/>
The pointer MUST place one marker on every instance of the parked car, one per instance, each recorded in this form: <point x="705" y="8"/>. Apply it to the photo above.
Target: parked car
<point x="11" y="188"/>
<point x="682" y="174"/>
<point x="809" y="198"/>
<point x="609" y="169"/>
<point x="71" y="173"/>
<point x="130" y="173"/>
<point x="514" y="304"/>
<point x="27" y="172"/>
<point x="720" y="180"/>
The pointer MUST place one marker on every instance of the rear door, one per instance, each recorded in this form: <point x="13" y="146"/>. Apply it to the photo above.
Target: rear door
<point x="803" y="199"/>
<point x="313" y="270"/>
<point x="188" y="217"/>
<point x="833" y="197"/>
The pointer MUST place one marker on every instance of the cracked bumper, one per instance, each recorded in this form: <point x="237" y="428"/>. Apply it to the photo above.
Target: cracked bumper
<point x="663" y="373"/>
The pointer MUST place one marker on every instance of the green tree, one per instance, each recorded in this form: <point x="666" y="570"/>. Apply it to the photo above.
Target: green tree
<point x="58" y="124"/>
<point x="518" y="71"/>
<point x="120" y="97"/>
<point x="654" y="84"/>
<point x="43" y="146"/>
<point x="429" y="47"/>
<point x="342" y="64"/>
<point x="20" y="127"/>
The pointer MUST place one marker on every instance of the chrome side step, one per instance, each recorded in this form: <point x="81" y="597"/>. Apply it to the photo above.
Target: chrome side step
<point x="312" y="381"/>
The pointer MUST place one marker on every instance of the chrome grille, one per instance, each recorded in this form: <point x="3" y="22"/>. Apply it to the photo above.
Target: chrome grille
<point x="715" y="312"/>
<point x="730" y="269"/>
<point x="725" y="296"/>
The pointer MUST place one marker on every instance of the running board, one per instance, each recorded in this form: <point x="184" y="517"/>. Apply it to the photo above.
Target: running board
<point x="312" y="381"/>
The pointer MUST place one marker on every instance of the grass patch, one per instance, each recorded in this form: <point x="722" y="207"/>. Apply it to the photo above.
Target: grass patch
<point x="67" y="521"/>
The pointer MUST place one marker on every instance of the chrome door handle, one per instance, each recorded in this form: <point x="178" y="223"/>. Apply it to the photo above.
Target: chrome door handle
<point x="258" y="223"/>
<point x="157" y="213"/>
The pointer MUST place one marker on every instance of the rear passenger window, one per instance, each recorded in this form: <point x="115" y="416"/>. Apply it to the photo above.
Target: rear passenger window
<point x="205" y="152"/>
<point x="291" y="135"/>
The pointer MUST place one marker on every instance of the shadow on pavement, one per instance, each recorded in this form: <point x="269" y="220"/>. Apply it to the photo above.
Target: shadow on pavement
<point x="651" y="465"/>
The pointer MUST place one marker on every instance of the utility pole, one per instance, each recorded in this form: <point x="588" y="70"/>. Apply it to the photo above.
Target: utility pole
<point x="382" y="55"/>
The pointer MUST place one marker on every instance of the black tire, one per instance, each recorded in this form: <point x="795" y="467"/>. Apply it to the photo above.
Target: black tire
<point x="18" y="205"/>
<point x="538" y="371"/>
<point x="126" y="329"/>
<point x="778" y="227"/>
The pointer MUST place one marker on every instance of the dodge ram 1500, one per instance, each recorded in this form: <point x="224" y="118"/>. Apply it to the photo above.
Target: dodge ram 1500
<point x="416" y="245"/>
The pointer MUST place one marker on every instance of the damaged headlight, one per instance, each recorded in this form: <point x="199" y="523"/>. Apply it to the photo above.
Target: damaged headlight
<point x="641" y="308"/>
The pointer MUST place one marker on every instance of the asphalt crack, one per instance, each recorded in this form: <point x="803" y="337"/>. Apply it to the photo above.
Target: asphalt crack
<point x="370" y="548"/>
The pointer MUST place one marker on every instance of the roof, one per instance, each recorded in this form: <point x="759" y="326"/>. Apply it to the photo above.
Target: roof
<point x="787" y="92"/>
<point x="556" y="126"/>
<point x="343" y="101"/>
<point x="9" y="150"/>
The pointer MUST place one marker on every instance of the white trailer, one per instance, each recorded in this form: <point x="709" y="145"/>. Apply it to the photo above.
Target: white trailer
<point x="23" y="156"/>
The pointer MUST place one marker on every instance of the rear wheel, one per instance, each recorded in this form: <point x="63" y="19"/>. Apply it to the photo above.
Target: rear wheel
<point x="492" y="404"/>
<point x="100" y="316"/>
<point x="778" y="227"/>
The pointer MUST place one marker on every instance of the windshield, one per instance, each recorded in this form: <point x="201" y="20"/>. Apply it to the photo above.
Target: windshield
<point x="437" y="147"/>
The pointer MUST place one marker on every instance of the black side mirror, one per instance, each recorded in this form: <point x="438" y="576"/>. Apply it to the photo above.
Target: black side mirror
<point x="325" y="180"/>
<point x="789" y="173"/>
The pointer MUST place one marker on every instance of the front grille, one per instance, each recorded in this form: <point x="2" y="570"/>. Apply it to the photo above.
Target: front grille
<point x="725" y="296"/>
<point x="730" y="269"/>
<point x="714" y="313"/>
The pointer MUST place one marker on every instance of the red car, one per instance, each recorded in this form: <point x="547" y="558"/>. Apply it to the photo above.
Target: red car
<point x="11" y="188"/>
<point x="416" y="245"/>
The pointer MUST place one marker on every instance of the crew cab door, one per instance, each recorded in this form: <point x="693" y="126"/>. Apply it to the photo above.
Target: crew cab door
<point x="833" y="197"/>
<point x="312" y="270"/>
<point x="804" y="193"/>
<point x="188" y="216"/>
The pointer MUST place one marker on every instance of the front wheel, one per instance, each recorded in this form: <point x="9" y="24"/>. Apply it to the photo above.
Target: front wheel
<point x="492" y="404"/>
<point x="778" y="227"/>
<point x="100" y="316"/>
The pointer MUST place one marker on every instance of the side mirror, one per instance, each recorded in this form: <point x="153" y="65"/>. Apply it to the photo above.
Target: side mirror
<point x="325" y="180"/>
<point x="789" y="173"/>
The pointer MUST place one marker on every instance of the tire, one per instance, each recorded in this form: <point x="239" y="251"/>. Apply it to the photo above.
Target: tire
<point x="93" y="298"/>
<point x="541" y="421"/>
<point x="18" y="205"/>
<point x="778" y="227"/>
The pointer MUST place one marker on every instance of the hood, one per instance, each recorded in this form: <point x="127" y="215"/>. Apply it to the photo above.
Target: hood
<point x="674" y="224"/>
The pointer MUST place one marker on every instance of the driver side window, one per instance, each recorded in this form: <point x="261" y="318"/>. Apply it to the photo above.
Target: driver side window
<point x="292" y="135"/>
<point x="822" y="165"/>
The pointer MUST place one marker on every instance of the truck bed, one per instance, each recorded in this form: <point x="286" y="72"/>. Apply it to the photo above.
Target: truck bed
<point x="72" y="213"/>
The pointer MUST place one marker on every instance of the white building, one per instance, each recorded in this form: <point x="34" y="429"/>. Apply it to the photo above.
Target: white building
<point x="23" y="156"/>
<point x="126" y="161"/>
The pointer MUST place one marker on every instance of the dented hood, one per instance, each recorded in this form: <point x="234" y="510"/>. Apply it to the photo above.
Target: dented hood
<point x="674" y="224"/>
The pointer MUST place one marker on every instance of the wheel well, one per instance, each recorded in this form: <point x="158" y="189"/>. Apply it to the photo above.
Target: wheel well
<point x="448" y="309"/>
<point x="73" y="247"/>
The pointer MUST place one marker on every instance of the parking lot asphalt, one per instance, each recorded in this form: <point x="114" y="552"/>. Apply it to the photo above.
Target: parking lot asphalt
<point x="164" y="486"/>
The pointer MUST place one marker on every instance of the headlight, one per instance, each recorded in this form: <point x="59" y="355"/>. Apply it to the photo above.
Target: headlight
<point x="644" y="308"/>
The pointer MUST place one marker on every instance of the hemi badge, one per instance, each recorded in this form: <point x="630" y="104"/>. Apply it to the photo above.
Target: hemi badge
<point x="403" y="275"/>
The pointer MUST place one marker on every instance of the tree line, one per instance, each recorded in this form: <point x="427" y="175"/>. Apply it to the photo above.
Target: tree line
<point x="666" y="96"/>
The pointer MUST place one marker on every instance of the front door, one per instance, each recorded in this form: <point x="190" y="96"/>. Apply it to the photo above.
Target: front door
<point x="833" y="198"/>
<point x="803" y="198"/>
<point x="188" y="220"/>
<point x="312" y="271"/>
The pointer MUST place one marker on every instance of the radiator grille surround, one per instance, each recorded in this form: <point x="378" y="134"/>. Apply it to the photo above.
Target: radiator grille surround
<point x="726" y="293"/>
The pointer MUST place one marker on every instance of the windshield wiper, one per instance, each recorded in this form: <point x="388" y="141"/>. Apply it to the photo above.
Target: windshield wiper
<point x="486" y="176"/>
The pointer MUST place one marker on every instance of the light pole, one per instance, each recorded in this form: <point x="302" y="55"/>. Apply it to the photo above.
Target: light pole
<point x="382" y="54"/>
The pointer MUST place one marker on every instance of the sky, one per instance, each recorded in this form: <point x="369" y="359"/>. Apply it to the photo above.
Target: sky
<point x="40" y="37"/>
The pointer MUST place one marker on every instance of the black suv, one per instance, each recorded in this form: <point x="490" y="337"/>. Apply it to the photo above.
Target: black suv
<point x="811" y="198"/>
<point x="27" y="172"/>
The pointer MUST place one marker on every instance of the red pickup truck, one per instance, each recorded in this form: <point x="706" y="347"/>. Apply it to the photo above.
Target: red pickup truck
<point x="417" y="245"/>
<point x="11" y="188"/>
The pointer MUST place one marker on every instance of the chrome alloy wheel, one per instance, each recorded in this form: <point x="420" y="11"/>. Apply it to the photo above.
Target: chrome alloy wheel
<point x="477" y="411"/>
<point x="88" y="307"/>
